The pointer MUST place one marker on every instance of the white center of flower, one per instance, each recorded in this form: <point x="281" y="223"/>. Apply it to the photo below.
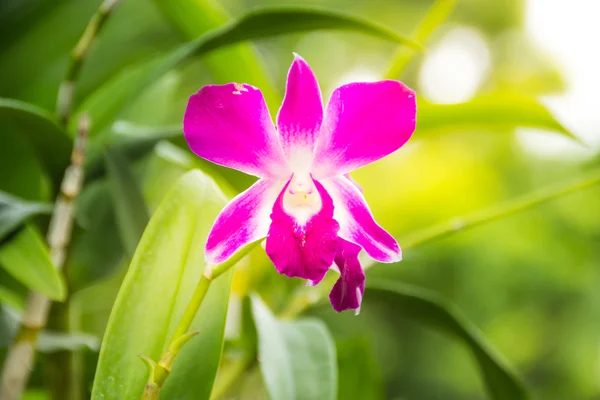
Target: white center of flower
<point x="301" y="199"/>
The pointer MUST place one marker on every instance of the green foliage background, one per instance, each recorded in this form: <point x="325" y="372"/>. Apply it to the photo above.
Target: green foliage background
<point x="528" y="282"/>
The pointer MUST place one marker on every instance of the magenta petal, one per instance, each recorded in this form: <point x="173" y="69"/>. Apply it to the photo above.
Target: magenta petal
<point x="363" y="123"/>
<point x="301" y="113"/>
<point x="231" y="126"/>
<point x="303" y="251"/>
<point x="356" y="221"/>
<point x="347" y="293"/>
<point x="242" y="221"/>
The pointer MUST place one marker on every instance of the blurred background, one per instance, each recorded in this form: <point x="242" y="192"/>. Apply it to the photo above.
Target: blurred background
<point x="529" y="281"/>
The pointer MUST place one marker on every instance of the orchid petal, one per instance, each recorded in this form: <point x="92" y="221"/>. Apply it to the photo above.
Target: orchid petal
<point x="356" y="221"/>
<point x="303" y="250"/>
<point x="363" y="123"/>
<point x="230" y="125"/>
<point x="347" y="293"/>
<point x="244" y="220"/>
<point x="300" y="116"/>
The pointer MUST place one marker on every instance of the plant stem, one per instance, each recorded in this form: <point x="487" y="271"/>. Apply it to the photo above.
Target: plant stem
<point x="19" y="361"/>
<point x="437" y="14"/>
<point x="160" y="371"/>
<point x="163" y="367"/>
<point x="64" y="103"/>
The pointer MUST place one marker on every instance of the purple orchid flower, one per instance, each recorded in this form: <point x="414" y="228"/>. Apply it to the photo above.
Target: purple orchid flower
<point x="310" y="211"/>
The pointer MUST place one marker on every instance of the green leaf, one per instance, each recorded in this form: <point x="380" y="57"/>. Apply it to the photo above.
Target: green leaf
<point x="26" y="258"/>
<point x="431" y="310"/>
<point x="50" y="142"/>
<point x="15" y="211"/>
<point x="297" y="359"/>
<point x="130" y="208"/>
<point x="260" y="23"/>
<point x="490" y="112"/>
<point x="167" y="265"/>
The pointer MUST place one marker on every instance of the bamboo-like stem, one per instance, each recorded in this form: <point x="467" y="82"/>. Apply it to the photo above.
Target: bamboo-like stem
<point x="19" y="361"/>
<point x="436" y="15"/>
<point x="159" y="371"/>
<point x="66" y="91"/>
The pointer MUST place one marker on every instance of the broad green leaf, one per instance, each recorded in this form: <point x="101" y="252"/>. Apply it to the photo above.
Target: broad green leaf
<point x="260" y="23"/>
<point x="51" y="144"/>
<point x="239" y="63"/>
<point x="431" y="310"/>
<point x="163" y="273"/>
<point x="297" y="359"/>
<point x="26" y="258"/>
<point x="130" y="208"/>
<point x="15" y="211"/>
<point x="490" y="112"/>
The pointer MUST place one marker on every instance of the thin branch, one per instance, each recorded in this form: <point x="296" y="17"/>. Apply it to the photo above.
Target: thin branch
<point x="21" y="354"/>
<point x="437" y="14"/>
<point x="66" y="91"/>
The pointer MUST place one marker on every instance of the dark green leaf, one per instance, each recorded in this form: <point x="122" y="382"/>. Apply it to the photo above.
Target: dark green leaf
<point x="26" y="258"/>
<point x="161" y="278"/>
<point x="130" y="208"/>
<point x="432" y="311"/>
<point x="14" y="212"/>
<point x="297" y="359"/>
<point x="491" y="112"/>
<point x="260" y="23"/>
<point x="50" y="142"/>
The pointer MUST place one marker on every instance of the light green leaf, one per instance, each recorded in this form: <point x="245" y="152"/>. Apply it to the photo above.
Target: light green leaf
<point x="490" y="112"/>
<point x="167" y="265"/>
<point x="26" y="258"/>
<point x="260" y="23"/>
<point x="297" y="359"/>
<point x="431" y="310"/>
<point x="130" y="208"/>
<point x="50" y="142"/>
<point x="15" y="211"/>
